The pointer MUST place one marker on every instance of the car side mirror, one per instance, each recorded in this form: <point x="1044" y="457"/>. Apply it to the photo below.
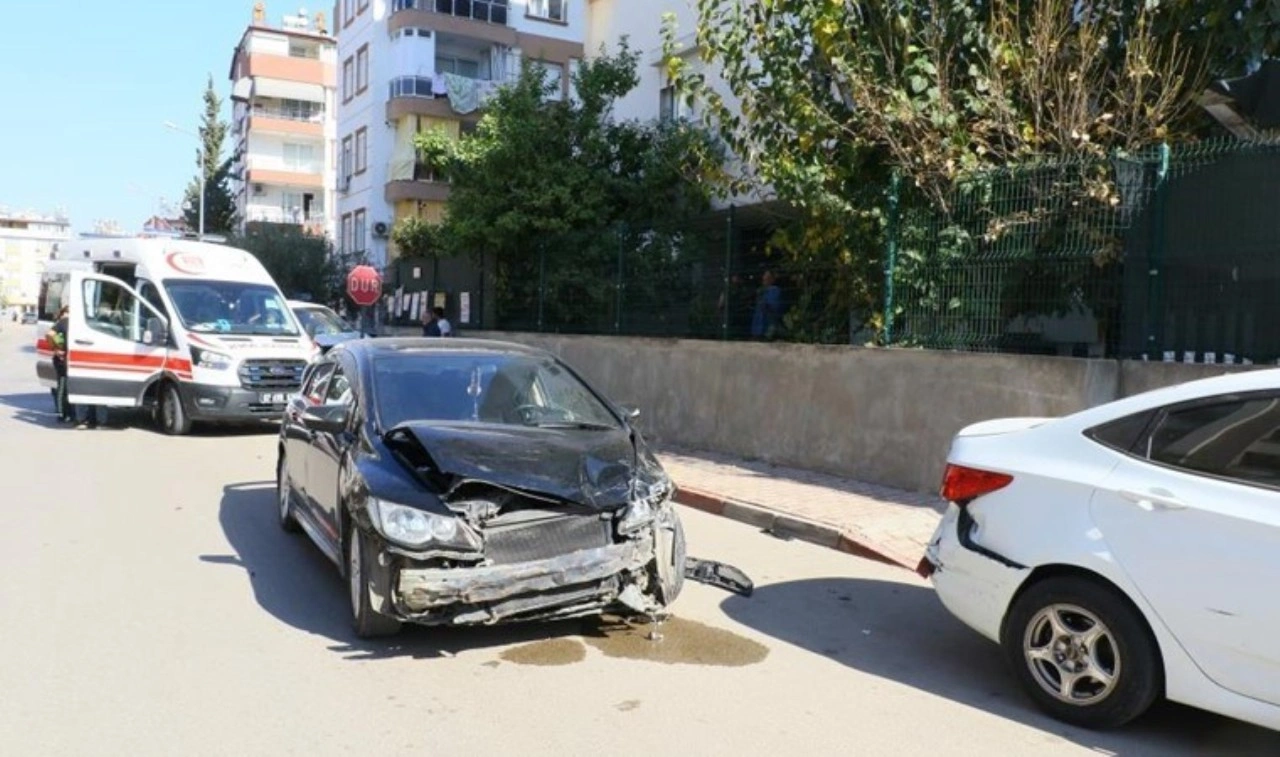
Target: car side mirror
<point x="157" y="333"/>
<point x="632" y="414"/>
<point x="329" y="419"/>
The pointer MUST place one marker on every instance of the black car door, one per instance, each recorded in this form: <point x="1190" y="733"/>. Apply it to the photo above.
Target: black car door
<point x="297" y="437"/>
<point x="326" y="451"/>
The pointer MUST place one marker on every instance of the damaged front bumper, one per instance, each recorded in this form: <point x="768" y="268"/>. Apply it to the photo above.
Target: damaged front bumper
<point x="569" y="585"/>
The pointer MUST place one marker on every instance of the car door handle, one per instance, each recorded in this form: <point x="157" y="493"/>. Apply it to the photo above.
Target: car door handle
<point x="85" y="342"/>
<point x="1154" y="499"/>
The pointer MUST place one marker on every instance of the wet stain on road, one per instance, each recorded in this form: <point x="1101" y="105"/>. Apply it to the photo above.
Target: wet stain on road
<point x="549" y="652"/>
<point x="681" y="641"/>
<point x="627" y="706"/>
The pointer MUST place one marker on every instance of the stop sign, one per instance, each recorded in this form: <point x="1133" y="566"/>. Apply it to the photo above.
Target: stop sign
<point x="364" y="285"/>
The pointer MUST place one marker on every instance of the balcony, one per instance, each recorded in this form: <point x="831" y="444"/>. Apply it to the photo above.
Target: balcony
<point x="297" y="121"/>
<point x="487" y="11"/>
<point x="434" y="96"/>
<point x="484" y="20"/>
<point x="312" y="222"/>
<point x="425" y="186"/>
<point x="286" y="177"/>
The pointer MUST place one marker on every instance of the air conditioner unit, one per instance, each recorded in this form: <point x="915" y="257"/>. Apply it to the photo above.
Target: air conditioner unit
<point x="380" y="229"/>
<point x="344" y="183"/>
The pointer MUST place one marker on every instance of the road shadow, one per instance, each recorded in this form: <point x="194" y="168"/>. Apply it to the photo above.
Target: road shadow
<point x="901" y="632"/>
<point x="294" y="582"/>
<point x="35" y="408"/>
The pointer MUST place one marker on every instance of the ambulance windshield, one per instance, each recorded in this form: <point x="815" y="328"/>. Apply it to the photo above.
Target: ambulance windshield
<point x="231" y="307"/>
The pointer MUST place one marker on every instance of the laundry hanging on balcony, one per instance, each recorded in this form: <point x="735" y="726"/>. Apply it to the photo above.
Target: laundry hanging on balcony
<point x="467" y="95"/>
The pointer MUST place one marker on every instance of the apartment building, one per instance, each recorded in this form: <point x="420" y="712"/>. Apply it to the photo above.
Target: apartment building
<point x="411" y="65"/>
<point x="26" y="239"/>
<point x="284" y="122"/>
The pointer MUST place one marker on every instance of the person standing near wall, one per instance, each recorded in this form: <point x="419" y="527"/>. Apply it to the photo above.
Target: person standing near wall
<point x="768" y="315"/>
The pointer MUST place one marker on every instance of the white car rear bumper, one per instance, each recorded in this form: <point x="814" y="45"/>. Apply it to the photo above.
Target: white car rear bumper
<point x="974" y="587"/>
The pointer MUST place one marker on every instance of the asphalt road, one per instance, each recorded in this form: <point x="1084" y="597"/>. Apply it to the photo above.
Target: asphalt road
<point x="150" y="605"/>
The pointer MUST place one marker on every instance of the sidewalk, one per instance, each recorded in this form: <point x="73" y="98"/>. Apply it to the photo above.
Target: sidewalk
<point x="876" y="522"/>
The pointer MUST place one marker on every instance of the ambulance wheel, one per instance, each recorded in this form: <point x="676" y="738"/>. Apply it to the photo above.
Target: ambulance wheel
<point x="174" y="420"/>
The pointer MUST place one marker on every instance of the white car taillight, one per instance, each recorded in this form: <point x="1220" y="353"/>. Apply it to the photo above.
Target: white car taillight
<point x="960" y="483"/>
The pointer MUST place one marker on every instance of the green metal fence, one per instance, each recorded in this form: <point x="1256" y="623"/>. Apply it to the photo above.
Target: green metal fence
<point x="1173" y="253"/>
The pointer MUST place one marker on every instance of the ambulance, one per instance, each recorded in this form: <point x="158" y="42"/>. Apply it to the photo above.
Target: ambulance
<point x="193" y="331"/>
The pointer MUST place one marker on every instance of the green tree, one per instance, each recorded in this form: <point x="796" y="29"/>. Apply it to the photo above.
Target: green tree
<point x="544" y="187"/>
<point x="304" y="265"/>
<point x="418" y="238"/>
<point x="220" y="204"/>
<point x="825" y="99"/>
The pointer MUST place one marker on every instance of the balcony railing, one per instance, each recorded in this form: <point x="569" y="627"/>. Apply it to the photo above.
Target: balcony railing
<point x="289" y="114"/>
<point x="280" y="215"/>
<point x="488" y="11"/>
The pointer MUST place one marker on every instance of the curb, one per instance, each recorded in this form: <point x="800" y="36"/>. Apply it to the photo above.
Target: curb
<point x="786" y="526"/>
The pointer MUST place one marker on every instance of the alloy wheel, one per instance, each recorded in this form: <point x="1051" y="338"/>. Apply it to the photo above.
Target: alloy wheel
<point x="1072" y="654"/>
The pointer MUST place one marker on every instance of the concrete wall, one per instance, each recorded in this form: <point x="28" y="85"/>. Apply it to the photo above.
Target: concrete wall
<point x="883" y="416"/>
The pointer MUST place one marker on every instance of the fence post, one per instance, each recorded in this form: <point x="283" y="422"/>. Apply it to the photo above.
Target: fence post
<point x="728" y="274"/>
<point x="891" y="255"/>
<point x="542" y="282"/>
<point x="1155" y="258"/>
<point x="617" y="306"/>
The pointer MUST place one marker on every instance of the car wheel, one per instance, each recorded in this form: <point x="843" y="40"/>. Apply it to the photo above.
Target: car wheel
<point x="284" y="499"/>
<point x="669" y="556"/>
<point x="174" y="420"/>
<point x="366" y="622"/>
<point x="1083" y="653"/>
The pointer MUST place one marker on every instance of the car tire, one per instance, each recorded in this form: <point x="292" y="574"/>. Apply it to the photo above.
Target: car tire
<point x="172" y="415"/>
<point x="1083" y="653"/>
<point x="284" y="500"/>
<point x="670" y="556"/>
<point x="365" y="621"/>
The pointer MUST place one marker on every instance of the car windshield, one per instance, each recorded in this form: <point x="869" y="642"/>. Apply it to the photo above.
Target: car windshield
<point x="513" y="390"/>
<point x="231" y="307"/>
<point x="318" y="321"/>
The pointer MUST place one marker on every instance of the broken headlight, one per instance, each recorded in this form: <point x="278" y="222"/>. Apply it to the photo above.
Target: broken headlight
<point x="649" y="497"/>
<point x="412" y="527"/>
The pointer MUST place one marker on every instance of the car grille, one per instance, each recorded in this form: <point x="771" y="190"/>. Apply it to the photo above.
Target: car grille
<point x="276" y="375"/>
<point x="518" y="537"/>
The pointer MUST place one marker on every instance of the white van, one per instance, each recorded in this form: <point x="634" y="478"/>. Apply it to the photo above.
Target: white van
<point x="193" y="330"/>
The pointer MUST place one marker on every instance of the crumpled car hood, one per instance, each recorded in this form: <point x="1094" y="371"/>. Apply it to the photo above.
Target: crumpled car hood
<point x="587" y="467"/>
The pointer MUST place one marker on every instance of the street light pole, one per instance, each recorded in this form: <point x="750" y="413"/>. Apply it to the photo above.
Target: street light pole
<point x="204" y="169"/>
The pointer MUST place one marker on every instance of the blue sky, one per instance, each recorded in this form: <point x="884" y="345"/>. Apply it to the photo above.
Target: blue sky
<point x="85" y="89"/>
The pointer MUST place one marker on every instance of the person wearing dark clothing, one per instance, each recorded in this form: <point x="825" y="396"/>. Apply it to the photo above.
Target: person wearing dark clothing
<point x="57" y="337"/>
<point x="431" y="326"/>
<point x="768" y="314"/>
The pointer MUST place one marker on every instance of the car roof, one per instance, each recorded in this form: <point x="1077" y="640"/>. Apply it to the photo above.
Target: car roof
<point x="395" y="346"/>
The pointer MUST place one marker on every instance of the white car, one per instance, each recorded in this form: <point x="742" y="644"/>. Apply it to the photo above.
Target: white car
<point x="1125" y="553"/>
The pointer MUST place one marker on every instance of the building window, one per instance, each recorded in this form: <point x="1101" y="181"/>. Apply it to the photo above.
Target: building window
<point x="348" y="80"/>
<point x="362" y="69"/>
<point x="364" y="6"/>
<point x="472" y="69"/>
<point x="358" y="230"/>
<point x="549" y="10"/>
<point x="362" y="149"/>
<point x="668" y="104"/>
<point x="346" y="234"/>
<point x="346" y="157"/>
<point x="300" y="158"/>
<point x="553" y="75"/>
<point x="301" y="48"/>
<point x="348" y="12"/>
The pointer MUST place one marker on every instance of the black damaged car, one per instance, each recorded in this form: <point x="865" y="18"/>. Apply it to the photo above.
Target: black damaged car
<point x="458" y="482"/>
